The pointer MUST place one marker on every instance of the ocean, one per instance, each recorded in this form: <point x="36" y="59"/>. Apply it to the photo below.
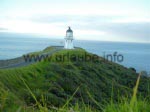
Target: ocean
<point x="136" y="55"/>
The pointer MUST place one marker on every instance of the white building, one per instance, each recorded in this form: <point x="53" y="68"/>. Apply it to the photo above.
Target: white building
<point x="69" y="39"/>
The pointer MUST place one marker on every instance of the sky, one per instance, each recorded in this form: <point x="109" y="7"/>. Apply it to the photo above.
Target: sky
<point x="104" y="20"/>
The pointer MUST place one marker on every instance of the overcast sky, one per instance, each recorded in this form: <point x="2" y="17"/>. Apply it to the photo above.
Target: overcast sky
<point x="107" y="20"/>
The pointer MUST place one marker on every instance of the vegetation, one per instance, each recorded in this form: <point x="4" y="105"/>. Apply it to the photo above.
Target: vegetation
<point x="74" y="85"/>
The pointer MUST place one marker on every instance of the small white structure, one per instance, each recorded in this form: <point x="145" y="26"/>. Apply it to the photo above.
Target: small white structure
<point x="69" y="39"/>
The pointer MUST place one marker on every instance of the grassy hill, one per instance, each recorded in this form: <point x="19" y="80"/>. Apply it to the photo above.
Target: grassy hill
<point x="61" y="82"/>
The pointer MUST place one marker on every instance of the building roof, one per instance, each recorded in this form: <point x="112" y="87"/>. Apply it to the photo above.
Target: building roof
<point x="69" y="30"/>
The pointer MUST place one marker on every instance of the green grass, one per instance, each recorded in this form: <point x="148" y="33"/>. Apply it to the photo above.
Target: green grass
<point x="130" y="105"/>
<point x="48" y="49"/>
<point x="73" y="86"/>
<point x="124" y="105"/>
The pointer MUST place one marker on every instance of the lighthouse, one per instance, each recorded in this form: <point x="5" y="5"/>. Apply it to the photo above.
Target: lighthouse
<point x="69" y="39"/>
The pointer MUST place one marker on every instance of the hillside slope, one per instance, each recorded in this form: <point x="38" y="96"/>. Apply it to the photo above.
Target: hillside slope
<point x="57" y="78"/>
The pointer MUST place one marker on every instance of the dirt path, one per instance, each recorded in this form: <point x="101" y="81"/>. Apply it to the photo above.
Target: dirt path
<point x="20" y="61"/>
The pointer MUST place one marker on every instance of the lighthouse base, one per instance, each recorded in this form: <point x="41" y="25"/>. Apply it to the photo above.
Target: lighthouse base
<point x="69" y="44"/>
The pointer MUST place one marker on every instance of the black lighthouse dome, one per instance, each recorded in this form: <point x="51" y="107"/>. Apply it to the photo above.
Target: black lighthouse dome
<point x="69" y="30"/>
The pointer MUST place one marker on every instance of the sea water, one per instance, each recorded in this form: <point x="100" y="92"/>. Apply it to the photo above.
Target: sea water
<point x="135" y="55"/>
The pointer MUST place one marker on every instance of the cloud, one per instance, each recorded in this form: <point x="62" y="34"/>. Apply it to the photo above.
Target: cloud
<point x="90" y="19"/>
<point x="3" y="29"/>
<point x="85" y="27"/>
<point x="132" y="20"/>
<point x="135" y="32"/>
<point x="131" y="31"/>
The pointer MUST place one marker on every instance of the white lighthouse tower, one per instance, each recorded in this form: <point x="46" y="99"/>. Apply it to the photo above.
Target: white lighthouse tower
<point x="69" y="39"/>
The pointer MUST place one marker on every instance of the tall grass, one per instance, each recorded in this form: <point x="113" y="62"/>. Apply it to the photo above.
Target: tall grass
<point x="125" y="105"/>
<point x="132" y="105"/>
<point x="3" y="97"/>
